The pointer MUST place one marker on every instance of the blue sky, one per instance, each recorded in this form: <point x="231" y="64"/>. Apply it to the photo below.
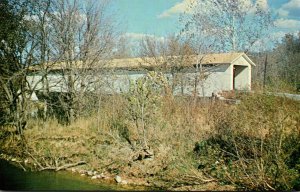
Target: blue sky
<point x="141" y="16"/>
<point x="160" y="17"/>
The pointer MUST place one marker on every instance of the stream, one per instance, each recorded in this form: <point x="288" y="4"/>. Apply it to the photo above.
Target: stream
<point x="14" y="178"/>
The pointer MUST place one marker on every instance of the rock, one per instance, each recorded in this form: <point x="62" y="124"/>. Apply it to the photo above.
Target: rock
<point x="81" y="171"/>
<point x="118" y="179"/>
<point x="221" y="98"/>
<point x="151" y="158"/>
<point x="73" y="170"/>
<point x="124" y="182"/>
<point x="13" y="159"/>
<point x="90" y="173"/>
<point x="82" y="174"/>
<point x="147" y="184"/>
<point x="95" y="177"/>
<point x="26" y="161"/>
<point x="95" y="172"/>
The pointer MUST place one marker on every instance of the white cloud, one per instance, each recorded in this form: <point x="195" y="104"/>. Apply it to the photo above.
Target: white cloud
<point x="134" y="41"/>
<point x="292" y="4"/>
<point x="283" y="13"/>
<point x="181" y="7"/>
<point x="291" y="8"/>
<point x="186" y="6"/>
<point x="268" y="42"/>
<point x="137" y="37"/>
<point x="141" y="36"/>
<point x="251" y="6"/>
<point x="279" y="35"/>
<point x="263" y="4"/>
<point x="290" y="24"/>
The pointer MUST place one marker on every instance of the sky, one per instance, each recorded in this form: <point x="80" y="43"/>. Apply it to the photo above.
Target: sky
<point x="158" y="18"/>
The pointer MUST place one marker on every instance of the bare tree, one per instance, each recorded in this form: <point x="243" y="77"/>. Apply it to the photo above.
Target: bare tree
<point x="224" y="26"/>
<point x="177" y="57"/>
<point x="171" y="56"/>
<point x="230" y="25"/>
<point x="82" y="35"/>
<point x="280" y="69"/>
<point x="123" y="49"/>
<point x="287" y="55"/>
<point x="43" y="50"/>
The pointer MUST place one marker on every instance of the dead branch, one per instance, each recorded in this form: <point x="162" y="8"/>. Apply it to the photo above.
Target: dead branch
<point x="36" y="161"/>
<point x="268" y="185"/>
<point x="22" y="166"/>
<point x="63" y="166"/>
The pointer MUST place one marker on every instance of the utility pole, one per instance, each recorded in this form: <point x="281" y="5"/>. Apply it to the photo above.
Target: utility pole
<point x="265" y="71"/>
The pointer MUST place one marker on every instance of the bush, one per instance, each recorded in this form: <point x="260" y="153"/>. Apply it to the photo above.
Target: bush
<point x="143" y="99"/>
<point x="255" y="144"/>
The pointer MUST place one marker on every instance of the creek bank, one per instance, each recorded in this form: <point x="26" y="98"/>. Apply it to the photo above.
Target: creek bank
<point x="15" y="179"/>
<point x="95" y="177"/>
<point x="127" y="182"/>
<point x="105" y="158"/>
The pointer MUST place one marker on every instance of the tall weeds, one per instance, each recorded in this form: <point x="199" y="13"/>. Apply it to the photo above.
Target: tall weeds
<point x="254" y="143"/>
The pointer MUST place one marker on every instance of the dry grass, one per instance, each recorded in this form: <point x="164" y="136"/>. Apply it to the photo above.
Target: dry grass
<point x="104" y="140"/>
<point x="108" y="141"/>
<point x="254" y="143"/>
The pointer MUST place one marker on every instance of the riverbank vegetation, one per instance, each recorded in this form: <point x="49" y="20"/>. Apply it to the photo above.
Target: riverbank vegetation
<point x="190" y="144"/>
<point x="148" y="135"/>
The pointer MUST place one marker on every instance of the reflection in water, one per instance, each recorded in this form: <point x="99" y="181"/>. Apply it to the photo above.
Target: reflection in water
<point x="13" y="178"/>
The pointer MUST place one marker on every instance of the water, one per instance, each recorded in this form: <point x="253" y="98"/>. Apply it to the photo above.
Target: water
<point x="13" y="178"/>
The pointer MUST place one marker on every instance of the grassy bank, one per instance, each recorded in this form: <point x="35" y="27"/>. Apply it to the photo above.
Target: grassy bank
<point x="189" y="144"/>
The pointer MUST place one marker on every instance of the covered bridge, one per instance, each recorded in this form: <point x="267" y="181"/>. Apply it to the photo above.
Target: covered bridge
<point x="196" y="74"/>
